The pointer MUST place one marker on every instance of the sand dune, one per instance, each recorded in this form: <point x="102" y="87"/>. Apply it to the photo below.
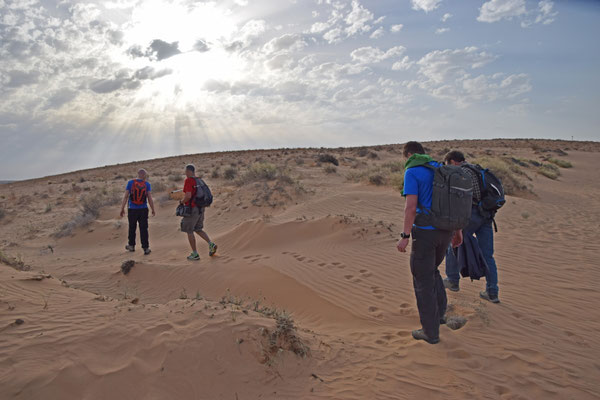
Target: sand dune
<point x="322" y="248"/>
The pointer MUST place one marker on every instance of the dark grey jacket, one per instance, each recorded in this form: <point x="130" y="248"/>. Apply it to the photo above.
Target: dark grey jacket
<point x="470" y="258"/>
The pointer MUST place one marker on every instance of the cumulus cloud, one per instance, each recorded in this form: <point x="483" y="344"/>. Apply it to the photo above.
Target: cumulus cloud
<point x="377" y="33"/>
<point x="402" y="65"/>
<point x="371" y="55"/>
<point x="201" y="46"/>
<point x="497" y="10"/>
<point x="448" y="74"/>
<point x="425" y="5"/>
<point x="160" y="50"/>
<point x="441" y="31"/>
<point x="446" y="17"/>
<point x="396" y="28"/>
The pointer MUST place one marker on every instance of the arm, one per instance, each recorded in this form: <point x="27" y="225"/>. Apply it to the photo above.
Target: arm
<point x="186" y="198"/>
<point x="151" y="202"/>
<point x="124" y="202"/>
<point x="410" y="212"/>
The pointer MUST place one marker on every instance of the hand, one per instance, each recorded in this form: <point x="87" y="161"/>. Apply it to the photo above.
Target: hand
<point x="122" y="213"/>
<point x="457" y="239"/>
<point x="402" y="245"/>
<point x="153" y="213"/>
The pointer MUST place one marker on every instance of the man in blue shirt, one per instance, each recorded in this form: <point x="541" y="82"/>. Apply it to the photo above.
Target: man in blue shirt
<point x="138" y="194"/>
<point x="428" y="243"/>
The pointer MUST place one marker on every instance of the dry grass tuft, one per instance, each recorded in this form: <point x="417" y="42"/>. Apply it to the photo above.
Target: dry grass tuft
<point x="560" y="163"/>
<point x="510" y="174"/>
<point x="16" y="263"/>
<point x="550" y="171"/>
<point x="91" y="204"/>
<point x="330" y="169"/>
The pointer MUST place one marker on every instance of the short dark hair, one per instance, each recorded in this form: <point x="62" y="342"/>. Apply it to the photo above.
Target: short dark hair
<point x="455" y="155"/>
<point x="190" y="167"/>
<point x="413" y="148"/>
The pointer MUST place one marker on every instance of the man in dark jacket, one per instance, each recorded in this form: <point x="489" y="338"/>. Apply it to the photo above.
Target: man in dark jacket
<point x="481" y="227"/>
<point x="428" y="243"/>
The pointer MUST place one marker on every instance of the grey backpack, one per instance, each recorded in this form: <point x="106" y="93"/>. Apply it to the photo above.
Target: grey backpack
<point x="452" y="199"/>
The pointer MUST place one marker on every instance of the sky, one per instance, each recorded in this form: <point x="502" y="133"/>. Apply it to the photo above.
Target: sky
<point x="94" y="83"/>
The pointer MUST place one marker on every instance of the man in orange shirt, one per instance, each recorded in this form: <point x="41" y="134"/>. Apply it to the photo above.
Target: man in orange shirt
<point x="194" y="223"/>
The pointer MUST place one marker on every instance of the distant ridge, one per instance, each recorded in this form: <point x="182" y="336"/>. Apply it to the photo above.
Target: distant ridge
<point x="4" y="182"/>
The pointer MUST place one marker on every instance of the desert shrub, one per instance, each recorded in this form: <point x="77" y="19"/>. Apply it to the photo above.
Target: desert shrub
<point x="509" y="174"/>
<point x="395" y="166"/>
<point x="48" y="208"/>
<point x="373" y="155"/>
<point x="549" y="171"/>
<point x="91" y="204"/>
<point x="299" y="161"/>
<point x="560" y="163"/>
<point x="158" y="186"/>
<point x="396" y="180"/>
<point x="230" y="173"/>
<point x="175" y="178"/>
<point x="216" y="174"/>
<point x="362" y="152"/>
<point x="2" y="213"/>
<point x="328" y="158"/>
<point x="377" y="179"/>
<point x="260" y="171"/>
<point x="330" y="169"/>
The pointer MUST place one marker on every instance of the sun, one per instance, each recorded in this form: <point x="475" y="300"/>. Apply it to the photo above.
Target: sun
<point x="202" y="32"/>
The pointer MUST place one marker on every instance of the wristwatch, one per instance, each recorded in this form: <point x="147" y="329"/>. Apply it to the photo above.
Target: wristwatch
<point x="405" y="235"/>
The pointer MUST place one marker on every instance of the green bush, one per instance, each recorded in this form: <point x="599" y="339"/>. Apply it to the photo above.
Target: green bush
<point x="260" y="171"/>
<point x="560" y="163"/>
<point x="549" y="171"/>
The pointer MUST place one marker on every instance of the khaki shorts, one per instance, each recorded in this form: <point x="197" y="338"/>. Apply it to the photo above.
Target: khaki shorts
<point x="193" y="223"/>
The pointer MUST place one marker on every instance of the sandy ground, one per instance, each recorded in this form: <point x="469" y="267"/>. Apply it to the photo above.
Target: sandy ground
<point x="325" y="254"/>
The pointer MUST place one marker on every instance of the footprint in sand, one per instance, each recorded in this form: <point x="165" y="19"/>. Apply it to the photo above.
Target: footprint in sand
<point x="357" y="280"/>
<point x="373" y="309"/>
<point x="348" y="276"/>
<point x="376" y="290"/>
<point x="365" y="273"/>
<point x="322" y="264"/>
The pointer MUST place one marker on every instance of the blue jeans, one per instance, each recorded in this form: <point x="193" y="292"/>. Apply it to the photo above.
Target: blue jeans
<point x="481" y="227"/>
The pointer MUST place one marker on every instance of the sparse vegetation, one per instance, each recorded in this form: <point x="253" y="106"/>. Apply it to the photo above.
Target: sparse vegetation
<point x="175" y="178"/>
<point x="328" y="158"/>
<point x="91" y="204"/>
<point x="216" y="174"/>
<point x="2" y="213"/>
<point x="260" y="171"/>
<point x="158" y="186"/>
<point x="560" y="163"/>
<point x="550" y="171"/>
<point x="330" y="169"/>
<point x="377" y="179"/>
<point x="48" y="208"/>
<point x="15" y="262"/>
<point x="525" y="215"/>
<point x="230" y="173"/>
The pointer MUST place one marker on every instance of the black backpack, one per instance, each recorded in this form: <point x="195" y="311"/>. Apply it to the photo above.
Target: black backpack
<point x="492" y="191"/>
<point x="204" y="197"/>
<point x="452" y="199"/>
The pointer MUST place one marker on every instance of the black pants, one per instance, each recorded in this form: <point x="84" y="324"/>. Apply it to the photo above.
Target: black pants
<point x="427" y="253"/>
<point x="135" y="216"/>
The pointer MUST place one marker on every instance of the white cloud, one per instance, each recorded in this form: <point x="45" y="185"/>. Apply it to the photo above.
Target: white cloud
<point x="441" y="31"/>
<point x="396" y="28"/>
<point x="242" y="3"/>
<point x="446" y="17"/>
<point x="358" y="19"/>
<point x="425" y="5"/>
<point x="371" y="55"/>
<point x="377" y="33"/>
<point x="288" y="42"/>
<point x="403" y="65"/>
<point x="319" y="27"/>
<point x="495" y="10"/>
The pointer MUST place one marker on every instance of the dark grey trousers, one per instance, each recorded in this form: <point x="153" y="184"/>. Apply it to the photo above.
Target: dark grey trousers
<point x="427" y="253"/>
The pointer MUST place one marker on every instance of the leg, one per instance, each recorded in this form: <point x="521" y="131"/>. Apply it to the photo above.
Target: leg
<point x="144" y="228"/>
<point x="442" y="247"/>
<point x="422" y="266"/>
<point x="132" y="219"/>
<point x="485" y="237"/>
<point x="192" y="240"/>
<point x="188" y="226"/>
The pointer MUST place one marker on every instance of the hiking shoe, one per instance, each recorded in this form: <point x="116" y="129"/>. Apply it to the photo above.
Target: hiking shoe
<point x="194" y="256"/>
<point x="489" y="297"/>
<point x="212" y="249"/>
<point x="452" y="286"/>
<point x="130" y="247"/>
<point x="147" y="251"/>
<point x="419" y="334"/>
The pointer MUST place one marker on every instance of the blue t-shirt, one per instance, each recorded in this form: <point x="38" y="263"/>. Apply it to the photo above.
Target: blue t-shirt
<point x="148" y="190"/>
<point x="419" y="181"/>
